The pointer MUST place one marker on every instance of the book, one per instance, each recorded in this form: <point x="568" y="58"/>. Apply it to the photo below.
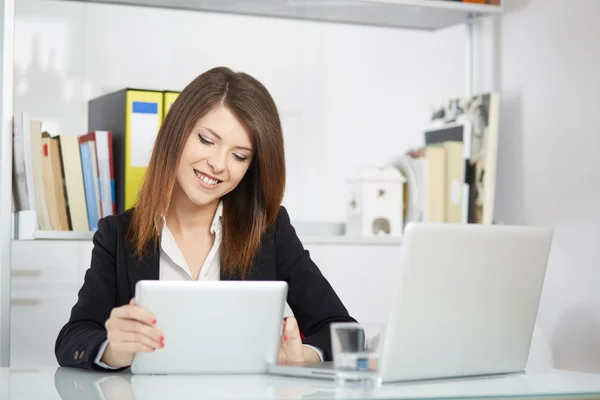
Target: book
<point x="482" y="113"/>
<point x="73" y="176"/>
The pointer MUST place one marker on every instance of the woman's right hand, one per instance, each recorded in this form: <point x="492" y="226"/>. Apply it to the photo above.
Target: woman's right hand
<point x="130" y="329"/>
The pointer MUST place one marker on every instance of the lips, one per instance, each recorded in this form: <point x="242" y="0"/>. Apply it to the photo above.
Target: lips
<point x="207" y="179"/>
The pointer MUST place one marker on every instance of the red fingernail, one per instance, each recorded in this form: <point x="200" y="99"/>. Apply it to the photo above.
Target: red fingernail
<point x="154" y="321"/>
<point x="162" y="338"/>
<point x="162" y="345"/>
<point x="285" y="337"/>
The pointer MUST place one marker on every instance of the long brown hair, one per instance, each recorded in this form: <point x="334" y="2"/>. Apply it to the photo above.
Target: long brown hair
<point x="252" y="206"/>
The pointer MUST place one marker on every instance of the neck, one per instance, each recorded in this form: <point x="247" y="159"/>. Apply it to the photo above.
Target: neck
<point x="185" y="216"/>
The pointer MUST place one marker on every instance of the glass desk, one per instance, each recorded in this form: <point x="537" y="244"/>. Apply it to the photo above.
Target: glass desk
<point x="70" y="384"/>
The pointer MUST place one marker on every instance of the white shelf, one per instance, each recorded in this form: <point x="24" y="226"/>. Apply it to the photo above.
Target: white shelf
<point x="61" y="235"/>
<point x="351" y="241"/>
<point x="409" y="14"/>
<point x="319" y="240"/>
<point x="25" y="227"/>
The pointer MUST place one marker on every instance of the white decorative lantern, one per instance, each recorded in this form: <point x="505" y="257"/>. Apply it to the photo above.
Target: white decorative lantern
<point x="375" y="206"/>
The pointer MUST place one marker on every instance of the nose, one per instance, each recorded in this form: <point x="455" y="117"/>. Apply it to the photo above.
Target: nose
<point x="217" y="162"/>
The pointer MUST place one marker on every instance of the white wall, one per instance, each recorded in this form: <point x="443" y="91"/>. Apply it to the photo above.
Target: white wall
<point x="548" y="163"/>
<point x="348" y="95"/>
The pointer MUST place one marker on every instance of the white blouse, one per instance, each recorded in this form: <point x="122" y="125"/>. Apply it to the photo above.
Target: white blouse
<point x="173" y="266"/>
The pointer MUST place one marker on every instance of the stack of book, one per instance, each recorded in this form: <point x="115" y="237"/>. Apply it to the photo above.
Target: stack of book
<point x="68" y="182"/>
<point x="460" y="152"/>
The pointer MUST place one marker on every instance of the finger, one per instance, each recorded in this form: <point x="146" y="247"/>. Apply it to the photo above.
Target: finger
<point x="291" y="345"/>
<point x="281" y="358"/>
<point x="134" y="312"/>
<point x="137" y="337"/>
<point x="134" y="347"/>
<point x="129" y="325"/>
<point x="132" y="302"/>
<point x="290" y="329"/>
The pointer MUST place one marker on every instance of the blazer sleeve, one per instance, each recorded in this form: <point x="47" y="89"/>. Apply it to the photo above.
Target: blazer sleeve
<point x="310" y="296"/>
<point x="79" y="341"/>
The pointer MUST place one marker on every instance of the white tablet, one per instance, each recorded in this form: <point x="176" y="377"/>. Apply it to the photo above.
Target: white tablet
<point x="230" y="327"/>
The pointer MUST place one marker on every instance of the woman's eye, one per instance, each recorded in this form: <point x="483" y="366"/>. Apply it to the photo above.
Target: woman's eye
<point x="240" y="158"/>
<point x="203" y="139"/>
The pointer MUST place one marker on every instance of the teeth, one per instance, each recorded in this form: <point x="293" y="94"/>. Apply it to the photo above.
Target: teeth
<point x="206" y="179"/>
<point x="209" y="181"/>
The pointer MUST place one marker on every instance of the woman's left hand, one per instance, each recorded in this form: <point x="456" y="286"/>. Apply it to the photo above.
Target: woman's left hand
<point x="292" y="351"/>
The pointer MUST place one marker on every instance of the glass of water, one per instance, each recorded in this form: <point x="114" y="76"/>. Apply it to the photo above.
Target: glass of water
<point x="356" y="351"/>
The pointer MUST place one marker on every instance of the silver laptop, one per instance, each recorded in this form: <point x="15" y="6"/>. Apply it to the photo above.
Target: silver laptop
<point x="466" y="304"/>
<point x="213" y="327"/>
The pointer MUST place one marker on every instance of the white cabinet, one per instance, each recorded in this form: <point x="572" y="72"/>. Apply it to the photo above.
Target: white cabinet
<point x="46" y="277"/>
<point x="36" y="318"/>
<point x="47" y="264"/>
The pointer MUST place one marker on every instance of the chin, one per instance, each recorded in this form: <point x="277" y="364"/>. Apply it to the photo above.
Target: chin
<point x="203" y="200"/>
<point x="200" y="197"/>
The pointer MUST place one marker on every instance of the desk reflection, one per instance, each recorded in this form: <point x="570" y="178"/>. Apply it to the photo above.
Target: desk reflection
<point x="73" y="384"/>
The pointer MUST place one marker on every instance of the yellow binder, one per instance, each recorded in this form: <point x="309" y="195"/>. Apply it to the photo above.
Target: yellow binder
<point x="142" y="121"/>
<point x="169" y="99"/>
<point x="133" y="116"/>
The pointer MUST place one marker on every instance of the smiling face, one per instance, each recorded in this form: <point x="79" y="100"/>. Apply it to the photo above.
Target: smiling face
<point x="215" y="158"/>
<point x="239" y="144"/>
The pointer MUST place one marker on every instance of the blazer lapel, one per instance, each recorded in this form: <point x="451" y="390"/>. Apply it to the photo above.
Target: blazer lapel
<point x="145" y="269"/>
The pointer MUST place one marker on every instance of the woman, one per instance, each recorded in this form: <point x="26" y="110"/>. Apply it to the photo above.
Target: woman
<point x="209" y="209"/>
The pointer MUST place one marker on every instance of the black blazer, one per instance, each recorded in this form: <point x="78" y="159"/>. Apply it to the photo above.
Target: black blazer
<point x="110" y="282"/>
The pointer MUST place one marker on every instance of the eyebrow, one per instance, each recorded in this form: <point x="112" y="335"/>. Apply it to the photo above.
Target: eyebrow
<point x="219" y="137"/>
